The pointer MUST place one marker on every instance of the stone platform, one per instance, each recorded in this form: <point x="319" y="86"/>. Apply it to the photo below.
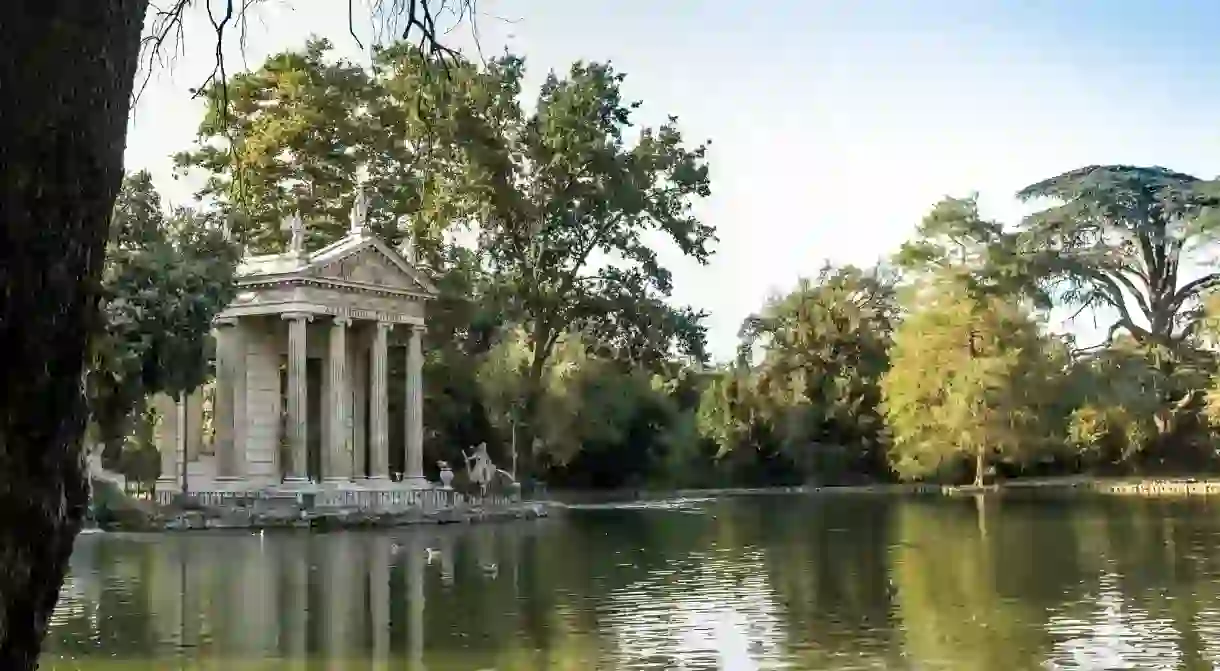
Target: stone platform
<point x="383" y="497"/>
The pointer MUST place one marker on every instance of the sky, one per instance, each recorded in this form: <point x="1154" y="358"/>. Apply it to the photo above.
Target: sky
<point x="835" y="126"/>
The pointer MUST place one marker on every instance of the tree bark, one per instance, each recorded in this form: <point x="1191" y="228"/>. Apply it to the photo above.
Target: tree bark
<point x="980" y="465"/>
<point x="66" y="74"/>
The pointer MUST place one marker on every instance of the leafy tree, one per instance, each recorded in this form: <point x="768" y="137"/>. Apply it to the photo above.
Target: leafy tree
<point x="600" y="423"/>
<point x="164" y="281"/>
<point x="822" y="352"/>
<point x="463" y="328"/>
<point x="564" y="182"/>
<point x="954" y="243"/>
<point x="728" y="410"/>
<point x="1116" y="238"/>
<point x="967" y="383"/>
<point x="285" y="138"/>
<point x="973" y="336"/>
<point x="304" y="130"/>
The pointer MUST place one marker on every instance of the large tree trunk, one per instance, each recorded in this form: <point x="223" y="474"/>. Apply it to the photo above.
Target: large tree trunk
<point x="66" y="72"/>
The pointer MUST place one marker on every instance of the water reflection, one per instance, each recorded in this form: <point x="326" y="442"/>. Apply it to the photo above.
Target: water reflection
<point x="743" y="585"/>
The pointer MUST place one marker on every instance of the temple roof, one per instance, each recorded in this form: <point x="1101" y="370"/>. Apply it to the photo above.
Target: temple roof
<point x="360" y="260"/>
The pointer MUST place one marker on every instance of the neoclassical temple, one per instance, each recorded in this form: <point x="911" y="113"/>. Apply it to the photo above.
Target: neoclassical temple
<point x="302" y="394"/>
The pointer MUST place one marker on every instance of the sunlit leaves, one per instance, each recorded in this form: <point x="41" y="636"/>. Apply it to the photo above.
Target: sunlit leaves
<point x="968" y="380"/>
<point x="807" y="375"/>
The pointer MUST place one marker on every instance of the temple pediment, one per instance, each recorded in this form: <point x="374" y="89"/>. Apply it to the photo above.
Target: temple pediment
<point x="373" y="264"/>
<point x="357" y="261"/>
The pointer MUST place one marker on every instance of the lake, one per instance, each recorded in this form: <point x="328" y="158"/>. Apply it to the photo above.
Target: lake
<point x="743" y="584"/>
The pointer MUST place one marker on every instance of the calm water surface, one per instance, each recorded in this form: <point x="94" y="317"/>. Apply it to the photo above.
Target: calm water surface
<point x="776" y="582"/>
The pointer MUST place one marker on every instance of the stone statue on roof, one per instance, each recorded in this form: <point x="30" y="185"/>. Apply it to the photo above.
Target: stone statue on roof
<point x="296" y="230"/>
<point x="360" y="212"/>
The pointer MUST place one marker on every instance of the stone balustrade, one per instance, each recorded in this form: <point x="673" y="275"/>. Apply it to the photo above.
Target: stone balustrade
<point x="323" y="498"/>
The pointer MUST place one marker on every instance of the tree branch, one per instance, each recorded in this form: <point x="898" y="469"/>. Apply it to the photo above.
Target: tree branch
<point x="414" y="16"/>
<point x="1194" y="288"/>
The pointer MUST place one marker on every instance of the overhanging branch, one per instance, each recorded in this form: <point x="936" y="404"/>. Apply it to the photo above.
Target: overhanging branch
<point x="1194" y="288"/>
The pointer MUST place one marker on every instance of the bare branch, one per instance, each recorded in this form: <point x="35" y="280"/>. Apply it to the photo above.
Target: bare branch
<point x="165" y="24"/>
<point x="351" y="23"/>
<point x="416" y="17"/>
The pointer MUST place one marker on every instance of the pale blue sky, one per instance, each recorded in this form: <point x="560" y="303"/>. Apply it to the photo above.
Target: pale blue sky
<point x="835" y="125"/>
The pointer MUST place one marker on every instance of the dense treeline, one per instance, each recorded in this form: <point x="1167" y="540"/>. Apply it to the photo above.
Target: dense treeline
<point x="555" y="338"/>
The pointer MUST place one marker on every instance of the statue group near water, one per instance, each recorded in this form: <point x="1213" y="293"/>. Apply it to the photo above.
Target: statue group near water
<point x="479" y="467"/>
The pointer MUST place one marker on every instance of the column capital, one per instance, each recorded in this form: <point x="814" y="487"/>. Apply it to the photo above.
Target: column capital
<point x="342" y="320"/>
<point x="386" y="326"/>
<point x="295" y="316"/>
<point x="418" y="329"/>
<point x="224" y="321"/>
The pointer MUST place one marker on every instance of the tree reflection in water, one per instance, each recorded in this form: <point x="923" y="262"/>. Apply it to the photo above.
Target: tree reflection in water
<point x="813" y="583"/>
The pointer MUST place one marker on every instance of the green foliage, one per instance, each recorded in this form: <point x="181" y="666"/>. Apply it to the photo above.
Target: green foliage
<point x="967" y="382"/>
<point x="954" y="243"/>
<point x="813" y="395"/>
<point x="564" y="183"/>
<point x="554" y="335"/>
<point x="298" y="130"/>
<point x="1116" y="237"/>
<point x="165" y="279"/>
<point x="288" y="141"/>
<point x="567" y="196"/>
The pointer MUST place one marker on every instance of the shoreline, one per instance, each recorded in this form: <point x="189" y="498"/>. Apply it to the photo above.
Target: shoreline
<point x="1192" y="486"/>
<point x="161" y="519"/>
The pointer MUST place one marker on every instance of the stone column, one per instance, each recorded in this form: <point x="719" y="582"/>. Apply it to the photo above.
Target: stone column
<point x="379" y="410"/>
<point x="338" y="455"/>
<point x="240" y="421"/>
<point x="298" y="390"/>
<point x="194" y="425"/>
<point x="413" y="469"/>
<point x="358" y="374"/>
<point x="183" y="436"/>
<point x="167" y="442"/>
<point x="224" y="410"/>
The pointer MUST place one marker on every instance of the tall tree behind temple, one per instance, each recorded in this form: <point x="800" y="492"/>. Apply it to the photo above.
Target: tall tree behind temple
<point x="564" y="185"/>
<point x="289" y="139"/>
<point x="304" y="129"/>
